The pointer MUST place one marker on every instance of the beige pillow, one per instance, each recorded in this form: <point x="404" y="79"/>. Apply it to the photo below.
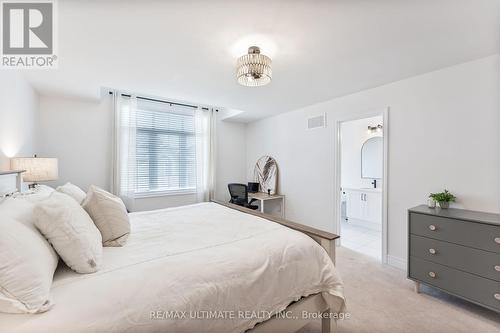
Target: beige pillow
<point x="73" y="191"/>
<point x="71" y="232"/>
<point x="109" y="215"/>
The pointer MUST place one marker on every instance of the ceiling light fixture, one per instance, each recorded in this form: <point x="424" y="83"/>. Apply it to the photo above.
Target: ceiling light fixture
<point x="254" y="69"/>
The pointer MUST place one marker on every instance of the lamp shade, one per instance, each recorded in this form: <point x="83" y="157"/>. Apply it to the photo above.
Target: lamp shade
<point x="37" y="169"/>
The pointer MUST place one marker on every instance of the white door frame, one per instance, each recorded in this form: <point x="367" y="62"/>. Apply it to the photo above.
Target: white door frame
<point x="355" y="116"/>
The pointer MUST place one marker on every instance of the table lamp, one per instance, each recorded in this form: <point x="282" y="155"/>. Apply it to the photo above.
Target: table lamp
<point x="37" y="169"/>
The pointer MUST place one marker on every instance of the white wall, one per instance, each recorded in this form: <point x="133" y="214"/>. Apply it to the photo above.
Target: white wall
<point x="79" y="133"/>
<point x="354" y="134"/>
<point x="18" y="104"/>
<point x="443" y="133"/>
<point x="231" y="157"/>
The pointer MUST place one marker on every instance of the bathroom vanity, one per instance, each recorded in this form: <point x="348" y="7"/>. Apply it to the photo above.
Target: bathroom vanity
<point x="364" y="207"/>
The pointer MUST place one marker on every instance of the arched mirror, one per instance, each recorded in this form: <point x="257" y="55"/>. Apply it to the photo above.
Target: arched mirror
<point x="372" y="153"/>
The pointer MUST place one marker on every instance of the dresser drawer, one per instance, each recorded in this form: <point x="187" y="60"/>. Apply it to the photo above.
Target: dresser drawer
<point x="479" y="262"/>
<point x="469" y="286"/>
<point x="478" y="235"/>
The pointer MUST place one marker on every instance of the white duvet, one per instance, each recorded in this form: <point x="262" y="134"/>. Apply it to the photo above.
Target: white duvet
<point x="180" y="263"/>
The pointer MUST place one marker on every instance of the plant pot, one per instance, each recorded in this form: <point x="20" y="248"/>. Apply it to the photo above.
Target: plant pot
<point x="444" y="204"/>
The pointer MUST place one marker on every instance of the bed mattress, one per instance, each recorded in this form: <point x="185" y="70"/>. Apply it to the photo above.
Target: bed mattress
<point x="197" y="268"/>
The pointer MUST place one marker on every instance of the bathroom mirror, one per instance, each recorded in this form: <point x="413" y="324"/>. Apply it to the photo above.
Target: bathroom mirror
<point x="372" y="153"/>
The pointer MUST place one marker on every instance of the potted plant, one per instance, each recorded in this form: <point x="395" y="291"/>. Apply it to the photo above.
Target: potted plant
<point x="443" y="198"/>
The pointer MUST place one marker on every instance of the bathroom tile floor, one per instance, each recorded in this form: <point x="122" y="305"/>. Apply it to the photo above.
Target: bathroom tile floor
<point x="361" y="239"/>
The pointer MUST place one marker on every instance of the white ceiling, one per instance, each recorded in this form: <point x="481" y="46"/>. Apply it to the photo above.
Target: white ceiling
<point x="186" y="50"/>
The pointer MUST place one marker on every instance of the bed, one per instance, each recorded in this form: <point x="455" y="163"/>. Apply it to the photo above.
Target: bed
<point x="209" y="267"/>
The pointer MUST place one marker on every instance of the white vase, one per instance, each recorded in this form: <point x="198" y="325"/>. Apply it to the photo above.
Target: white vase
<point x="444" y="204"/>
<point x="431" y="203"/>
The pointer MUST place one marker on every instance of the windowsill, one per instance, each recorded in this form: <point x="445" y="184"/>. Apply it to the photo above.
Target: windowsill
<point x="153" y="194"/>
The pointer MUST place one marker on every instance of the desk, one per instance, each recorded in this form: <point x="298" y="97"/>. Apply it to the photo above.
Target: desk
<point x="263" y="197"/>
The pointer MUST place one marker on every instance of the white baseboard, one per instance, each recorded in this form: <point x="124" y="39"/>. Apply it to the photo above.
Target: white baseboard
<point x="397" y="262"/>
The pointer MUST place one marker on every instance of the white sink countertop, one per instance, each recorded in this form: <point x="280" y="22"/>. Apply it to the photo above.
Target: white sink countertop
<point x="363" y="189"/>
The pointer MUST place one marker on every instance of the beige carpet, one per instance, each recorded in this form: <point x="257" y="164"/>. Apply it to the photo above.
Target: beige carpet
<point x="381" y="299"/>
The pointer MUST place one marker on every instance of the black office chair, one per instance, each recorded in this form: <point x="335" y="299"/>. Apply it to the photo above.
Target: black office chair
<point x="239" y="195"/>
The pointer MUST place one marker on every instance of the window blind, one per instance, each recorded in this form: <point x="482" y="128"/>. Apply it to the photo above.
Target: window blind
<point x="165" y="147"/>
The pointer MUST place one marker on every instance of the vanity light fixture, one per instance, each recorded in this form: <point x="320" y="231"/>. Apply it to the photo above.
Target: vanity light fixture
<point x="254" y="69"/>
<point x="373" y="129"/>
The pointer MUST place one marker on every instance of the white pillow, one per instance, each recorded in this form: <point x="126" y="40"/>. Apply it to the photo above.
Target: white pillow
<point x="27" y="265"/>
<point x="109" y="215"/>
<point x="20" y="206"/>
<point x="73" y="191"/>
<point x="39" y="193"/>
<point x="71" y="231"/>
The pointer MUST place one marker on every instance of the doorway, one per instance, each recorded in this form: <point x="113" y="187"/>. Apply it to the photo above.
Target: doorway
<point x="361" y="173"/>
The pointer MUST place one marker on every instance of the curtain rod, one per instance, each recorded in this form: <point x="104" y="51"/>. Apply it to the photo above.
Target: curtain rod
<point x="166" y="102"/>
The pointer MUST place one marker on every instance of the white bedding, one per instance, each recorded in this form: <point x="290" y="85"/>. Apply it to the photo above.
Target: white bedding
<point x="192" y="258"/>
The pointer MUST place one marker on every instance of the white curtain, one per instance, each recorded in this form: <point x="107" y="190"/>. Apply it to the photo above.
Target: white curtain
<point x="205" y="154"/>
<point x="124" y="147"/>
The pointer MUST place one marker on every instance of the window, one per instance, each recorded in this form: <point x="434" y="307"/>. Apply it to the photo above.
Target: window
<point x="162" y="148"/>
<point x="165" y="148"/>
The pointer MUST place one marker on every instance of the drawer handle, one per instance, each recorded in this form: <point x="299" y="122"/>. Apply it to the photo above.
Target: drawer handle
<point x="432" y="251"/>
<point x="432" y="227"/>
<point x="432" y="274"/>
<point x="497" y="268"/>
<point x="497" y="297"/>
<point x="497" y="240"/>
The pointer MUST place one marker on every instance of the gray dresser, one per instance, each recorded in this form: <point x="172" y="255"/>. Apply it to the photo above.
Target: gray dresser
<point x="457" y="251"/>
